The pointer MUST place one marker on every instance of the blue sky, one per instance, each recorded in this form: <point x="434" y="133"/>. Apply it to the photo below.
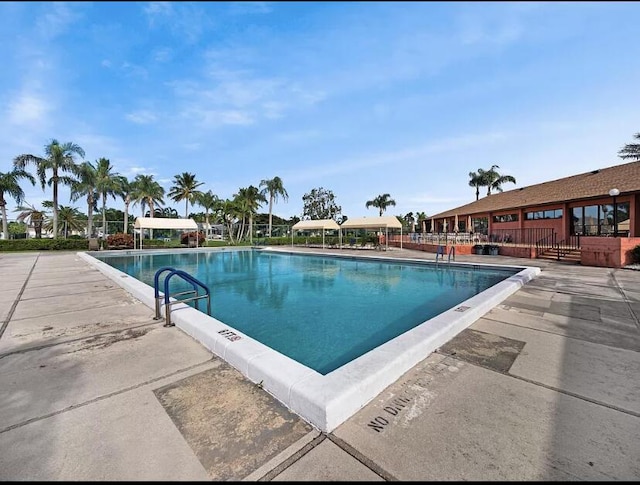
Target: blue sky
<point x="361" y="98"/>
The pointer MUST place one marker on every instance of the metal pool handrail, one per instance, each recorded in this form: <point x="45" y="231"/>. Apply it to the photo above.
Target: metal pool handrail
<point x="167" y="296"/>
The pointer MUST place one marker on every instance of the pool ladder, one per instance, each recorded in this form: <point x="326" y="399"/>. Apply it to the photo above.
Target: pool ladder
<point x="194" y="292"/>
<point x="440" y="251"/>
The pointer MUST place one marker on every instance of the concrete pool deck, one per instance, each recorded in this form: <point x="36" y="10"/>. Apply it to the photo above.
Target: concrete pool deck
<point x="542" y="387"/>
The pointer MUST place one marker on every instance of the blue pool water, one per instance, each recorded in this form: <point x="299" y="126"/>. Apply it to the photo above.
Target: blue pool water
<point x="320" y="311"/>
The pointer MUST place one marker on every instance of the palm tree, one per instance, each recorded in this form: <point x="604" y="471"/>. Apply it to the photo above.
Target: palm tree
<point x="59" y="159"/>
<point x="126" y="190"/>
<point x="477" y="180"/>
<point x="185" y="188"/>
<point x="249" y="200"/>
<point x="9" y="184"/>
<point x="208" y="201"/>
<point x="148" y="192"/>
<point x="631" y="150"/>
<point x="107" y="184"/>
<point x="32" y="216"/>
<point x="422" y="220"/>
<point x="381" y="202"/>
<point x="274" y="188"/>
<point x="86" y="185"/>
<point x="493" y="180"/>
<point x="70" y="220"/>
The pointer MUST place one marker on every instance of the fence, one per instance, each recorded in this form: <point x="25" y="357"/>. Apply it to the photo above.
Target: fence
<point x="22" y="230"/>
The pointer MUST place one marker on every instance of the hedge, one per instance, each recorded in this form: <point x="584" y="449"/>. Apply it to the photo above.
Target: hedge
<point x="43" y="244"/>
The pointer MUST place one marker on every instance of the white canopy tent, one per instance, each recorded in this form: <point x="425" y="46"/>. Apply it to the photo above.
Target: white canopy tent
<point x="380" y="223"/>
<point x="162" y="223"/>
<point x="317" y="224"/>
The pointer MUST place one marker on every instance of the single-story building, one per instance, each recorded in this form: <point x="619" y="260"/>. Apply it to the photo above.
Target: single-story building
<point x="574" y="212"/>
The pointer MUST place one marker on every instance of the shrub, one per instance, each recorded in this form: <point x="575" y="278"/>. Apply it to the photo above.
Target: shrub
<point x="44" y="244"/>
<point x="120" y="240"/>
<point x="635" y="252"/>
<point x="185" y="237"/>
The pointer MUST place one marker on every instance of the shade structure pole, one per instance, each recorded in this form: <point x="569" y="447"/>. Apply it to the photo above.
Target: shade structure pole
<point x="323" y="239"/>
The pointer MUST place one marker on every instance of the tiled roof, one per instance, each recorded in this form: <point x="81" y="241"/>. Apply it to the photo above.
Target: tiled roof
<point x="596" y="183"/>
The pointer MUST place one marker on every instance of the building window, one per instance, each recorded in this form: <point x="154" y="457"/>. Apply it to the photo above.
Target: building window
<point x="547" y="214"/>
<point x="506" y="218"/>
<point x="480" y="225"/>
<point x="598" y="220"/>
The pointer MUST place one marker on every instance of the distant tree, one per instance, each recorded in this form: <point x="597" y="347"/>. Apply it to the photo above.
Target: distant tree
<point x="126" y="190"/>
<point x="477" y="180"/>
<point x="59" y="160"/>
<point x="32" y="216"/>
<point x="273" y="188"/>
<point x="422" y="221"/>
<point x="631" y="150"/>
<point x="494" y="181"/>
<point x="148" y="193"/>
<point x="208" y="201"/>
<point x="248" y="200"/>
<point x="409" y="221"/>
<point x="381" y="202"/>
<point x="85" y="185"/>
<point x="108" y="184"/>
<point x="185" y="187"/>
<point x="70" y="219"/>
<point x="320" y="204"/>
<point x="10" y="185"/>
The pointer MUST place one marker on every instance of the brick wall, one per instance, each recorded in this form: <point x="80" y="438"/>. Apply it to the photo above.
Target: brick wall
<point x="608" y="252"/>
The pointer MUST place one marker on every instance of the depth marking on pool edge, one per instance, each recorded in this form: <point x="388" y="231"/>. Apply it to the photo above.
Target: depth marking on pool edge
<point x="229" y="335"/>
<point x="378" y="423"/>
<point x="462" y="309"/>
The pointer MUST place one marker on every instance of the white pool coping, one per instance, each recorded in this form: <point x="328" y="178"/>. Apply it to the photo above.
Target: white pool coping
<point x="325" y="401"/>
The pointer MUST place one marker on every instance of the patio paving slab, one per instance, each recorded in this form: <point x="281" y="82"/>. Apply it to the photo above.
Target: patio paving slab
<point x="450" y="420"/>
<point x="598" y="372"/>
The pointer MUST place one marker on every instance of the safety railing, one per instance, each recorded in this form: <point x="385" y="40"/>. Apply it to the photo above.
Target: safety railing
<point x="441" y="250"/>
<point x="194" y="293"/>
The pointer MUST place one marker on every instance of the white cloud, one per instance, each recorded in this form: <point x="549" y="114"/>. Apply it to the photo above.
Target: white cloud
<point x="134" y="70"/>
<point x="28" y="108"/>
<point x="57" y="20"/>
<point x="153" y="10"/>
<point x="142" y="117"/>
<point x="248" y="8"/>
<point x="163" y="54"/>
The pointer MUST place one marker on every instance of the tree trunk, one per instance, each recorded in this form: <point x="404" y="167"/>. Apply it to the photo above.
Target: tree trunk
<point x="151" y="211"/>
<point x="89" y="215"/>
<point x="250" y="228"/>
<point x="5" y="225"/>
<point x="125" y="228"/>
<point x="270" y="212"/>
<point x="186" y="208"/>
<point x="104" y="215"/>
<point x="55" y="204"/>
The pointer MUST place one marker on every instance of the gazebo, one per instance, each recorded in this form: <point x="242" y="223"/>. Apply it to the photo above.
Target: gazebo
<point x="375" y="223"/>
<point x="163" y="223"/>
<point x="317" y="224"/>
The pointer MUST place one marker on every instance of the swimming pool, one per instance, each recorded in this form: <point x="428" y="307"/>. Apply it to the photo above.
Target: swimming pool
<point x="321" y="311"/>
<point x="368" y="319"/>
